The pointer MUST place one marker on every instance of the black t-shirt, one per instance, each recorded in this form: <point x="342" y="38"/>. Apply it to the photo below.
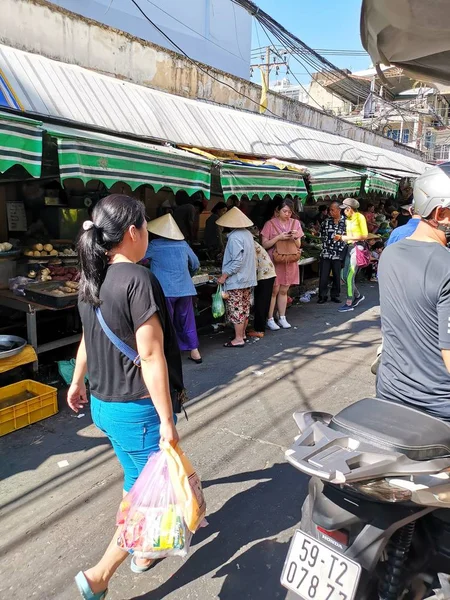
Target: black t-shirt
<point x="414" y="282"/>
<point x="130" y="295"/>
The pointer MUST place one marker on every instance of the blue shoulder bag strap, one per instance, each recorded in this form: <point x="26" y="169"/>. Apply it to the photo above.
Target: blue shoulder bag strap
<point x="129" y="352"/>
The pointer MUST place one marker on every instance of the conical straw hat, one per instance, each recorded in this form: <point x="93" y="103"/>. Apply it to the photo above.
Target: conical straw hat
<point x="234" y="219"/>
<point x="166" y="227"/>
<point x="373" y="236"/>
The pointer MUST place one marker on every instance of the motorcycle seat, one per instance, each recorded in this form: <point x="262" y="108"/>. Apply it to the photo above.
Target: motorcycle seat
<point x="396" y="427"/>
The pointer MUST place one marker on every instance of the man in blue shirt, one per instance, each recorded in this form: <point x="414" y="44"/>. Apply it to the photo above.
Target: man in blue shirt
<point x="406" y="230"/>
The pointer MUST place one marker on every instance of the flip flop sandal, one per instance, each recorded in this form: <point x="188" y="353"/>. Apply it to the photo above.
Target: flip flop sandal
<point x="230" y="345"/>
<point x="85" y="589"/>
<point x="137" y="568"/>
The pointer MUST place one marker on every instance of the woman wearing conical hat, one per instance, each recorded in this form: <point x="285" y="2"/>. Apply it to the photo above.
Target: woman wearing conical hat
<point x="173" y="263"/>
<point x="238" y="272"/>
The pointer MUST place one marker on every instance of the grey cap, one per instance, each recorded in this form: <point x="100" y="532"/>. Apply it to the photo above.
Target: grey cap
<point x="350" y="203"/>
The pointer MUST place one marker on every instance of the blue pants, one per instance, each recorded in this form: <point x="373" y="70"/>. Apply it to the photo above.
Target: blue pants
<point x="132" y="429"/>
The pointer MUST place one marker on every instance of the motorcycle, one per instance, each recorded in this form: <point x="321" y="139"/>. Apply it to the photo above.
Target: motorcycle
<point x="375" y="524"/>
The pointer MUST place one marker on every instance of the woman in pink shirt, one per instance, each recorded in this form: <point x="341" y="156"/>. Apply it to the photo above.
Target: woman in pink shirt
<point x="282" y="228"/>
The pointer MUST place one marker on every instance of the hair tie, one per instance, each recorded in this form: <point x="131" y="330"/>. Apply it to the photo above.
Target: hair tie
<point x="87" y="225"/>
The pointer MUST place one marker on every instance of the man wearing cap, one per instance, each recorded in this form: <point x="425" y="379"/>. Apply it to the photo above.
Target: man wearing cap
<point x="414" y="281"/>
<point x="356" y="231"/>
<point x="238" y="272"/>
<point x="407" y="229"/>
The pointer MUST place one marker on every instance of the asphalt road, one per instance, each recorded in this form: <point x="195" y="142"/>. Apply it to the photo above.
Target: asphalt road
<point x="56" y="519"/>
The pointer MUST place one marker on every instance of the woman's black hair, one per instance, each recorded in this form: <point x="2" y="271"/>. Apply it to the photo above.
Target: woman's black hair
<point x="217" y="207"/>
<point x="111" y="218"/>
<point x="282" y="202"/>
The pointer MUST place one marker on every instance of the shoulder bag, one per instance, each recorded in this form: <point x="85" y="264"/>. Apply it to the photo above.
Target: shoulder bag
<point x="179" y="397"/>
<point x="286" y="251"/>
<point x="362" y="255"/>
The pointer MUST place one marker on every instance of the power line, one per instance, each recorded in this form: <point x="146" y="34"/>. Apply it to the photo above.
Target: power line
<point x="296" y="46"/>
<point x="196" y="63"/>
<point x="296" y="79"/>
<point x="327" y="51"/>
<point x="195" y="31"/>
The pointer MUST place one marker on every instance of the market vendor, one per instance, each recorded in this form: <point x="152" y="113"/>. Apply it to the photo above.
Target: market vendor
<point x="173" y="263"/>
<point x="213" y="233"/>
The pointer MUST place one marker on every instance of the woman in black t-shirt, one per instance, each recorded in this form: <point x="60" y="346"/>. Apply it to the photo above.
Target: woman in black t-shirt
<point x="131" y="405"/>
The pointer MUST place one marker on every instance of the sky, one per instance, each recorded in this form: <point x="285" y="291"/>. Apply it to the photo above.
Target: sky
<point x="320" y="24"/>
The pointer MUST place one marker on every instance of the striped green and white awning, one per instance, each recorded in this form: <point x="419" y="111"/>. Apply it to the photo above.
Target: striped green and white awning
<point x="244" y="180"/>
<point x="94" y="156"/>
<point x="330" y="180"/>
<point x="20" y="144"/>
<point x="381" y="184"/>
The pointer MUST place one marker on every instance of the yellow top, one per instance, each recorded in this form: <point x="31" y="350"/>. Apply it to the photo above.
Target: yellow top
<point x="356" y="226"/>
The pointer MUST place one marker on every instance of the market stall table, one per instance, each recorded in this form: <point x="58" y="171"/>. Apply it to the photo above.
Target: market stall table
<point x="302" y="264"/>
<point x="24" y="357"/>
<point x="22" y="304"/>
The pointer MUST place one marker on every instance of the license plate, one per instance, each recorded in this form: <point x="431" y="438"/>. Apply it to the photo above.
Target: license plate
<point x="315" y="572"/>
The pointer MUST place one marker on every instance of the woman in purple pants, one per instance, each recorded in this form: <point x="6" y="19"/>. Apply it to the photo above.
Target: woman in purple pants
<point x="173" y="263"/>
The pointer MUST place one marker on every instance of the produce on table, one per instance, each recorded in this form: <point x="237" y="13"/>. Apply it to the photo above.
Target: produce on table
<point x="71" y="287"/>
<point x="5" y="247"/>
<point x="70" y="275"/>
<point x="59" y="273"/>
<point x="46" y="250"/>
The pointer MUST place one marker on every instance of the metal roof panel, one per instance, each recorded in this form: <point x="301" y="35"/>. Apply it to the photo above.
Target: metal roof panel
<point x="72" y="93"/>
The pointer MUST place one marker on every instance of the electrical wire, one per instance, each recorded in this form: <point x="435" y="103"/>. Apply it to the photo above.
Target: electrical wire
<point x="196" y="63"/>
<point x="296" y="46"/>
<point x="236" y="31"/>
<point x="325" y="52"/>
<point x="194" y="31"/>
<point x="296" y="78"/>
<point x="396" y="107"/>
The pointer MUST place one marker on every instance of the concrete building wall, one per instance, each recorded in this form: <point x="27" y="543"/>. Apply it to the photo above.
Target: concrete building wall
<point x="321" y="97"/>
<point x="43" y="28"/>
<point x="216" y="32"/>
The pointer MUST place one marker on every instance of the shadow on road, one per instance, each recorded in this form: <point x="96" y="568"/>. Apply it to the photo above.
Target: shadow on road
<point x="263" y="511"/>
<point x="243" y="574"/>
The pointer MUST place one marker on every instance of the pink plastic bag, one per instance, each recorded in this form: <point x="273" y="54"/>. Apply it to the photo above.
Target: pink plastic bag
<point x="151" y="520"/>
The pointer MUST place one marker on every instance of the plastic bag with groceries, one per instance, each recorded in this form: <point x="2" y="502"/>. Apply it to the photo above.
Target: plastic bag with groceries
<point x="163" y="508"/>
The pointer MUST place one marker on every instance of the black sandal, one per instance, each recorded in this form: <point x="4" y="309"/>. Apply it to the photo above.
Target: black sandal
<point x="230" y="345"/>
<point x="197" y="361"/>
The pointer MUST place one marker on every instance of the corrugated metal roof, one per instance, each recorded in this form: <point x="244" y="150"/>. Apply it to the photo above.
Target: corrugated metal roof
<point x="57" y="89"/>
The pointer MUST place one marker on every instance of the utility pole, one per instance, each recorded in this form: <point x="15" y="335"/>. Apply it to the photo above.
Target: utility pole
<point x="272" y="60"/>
